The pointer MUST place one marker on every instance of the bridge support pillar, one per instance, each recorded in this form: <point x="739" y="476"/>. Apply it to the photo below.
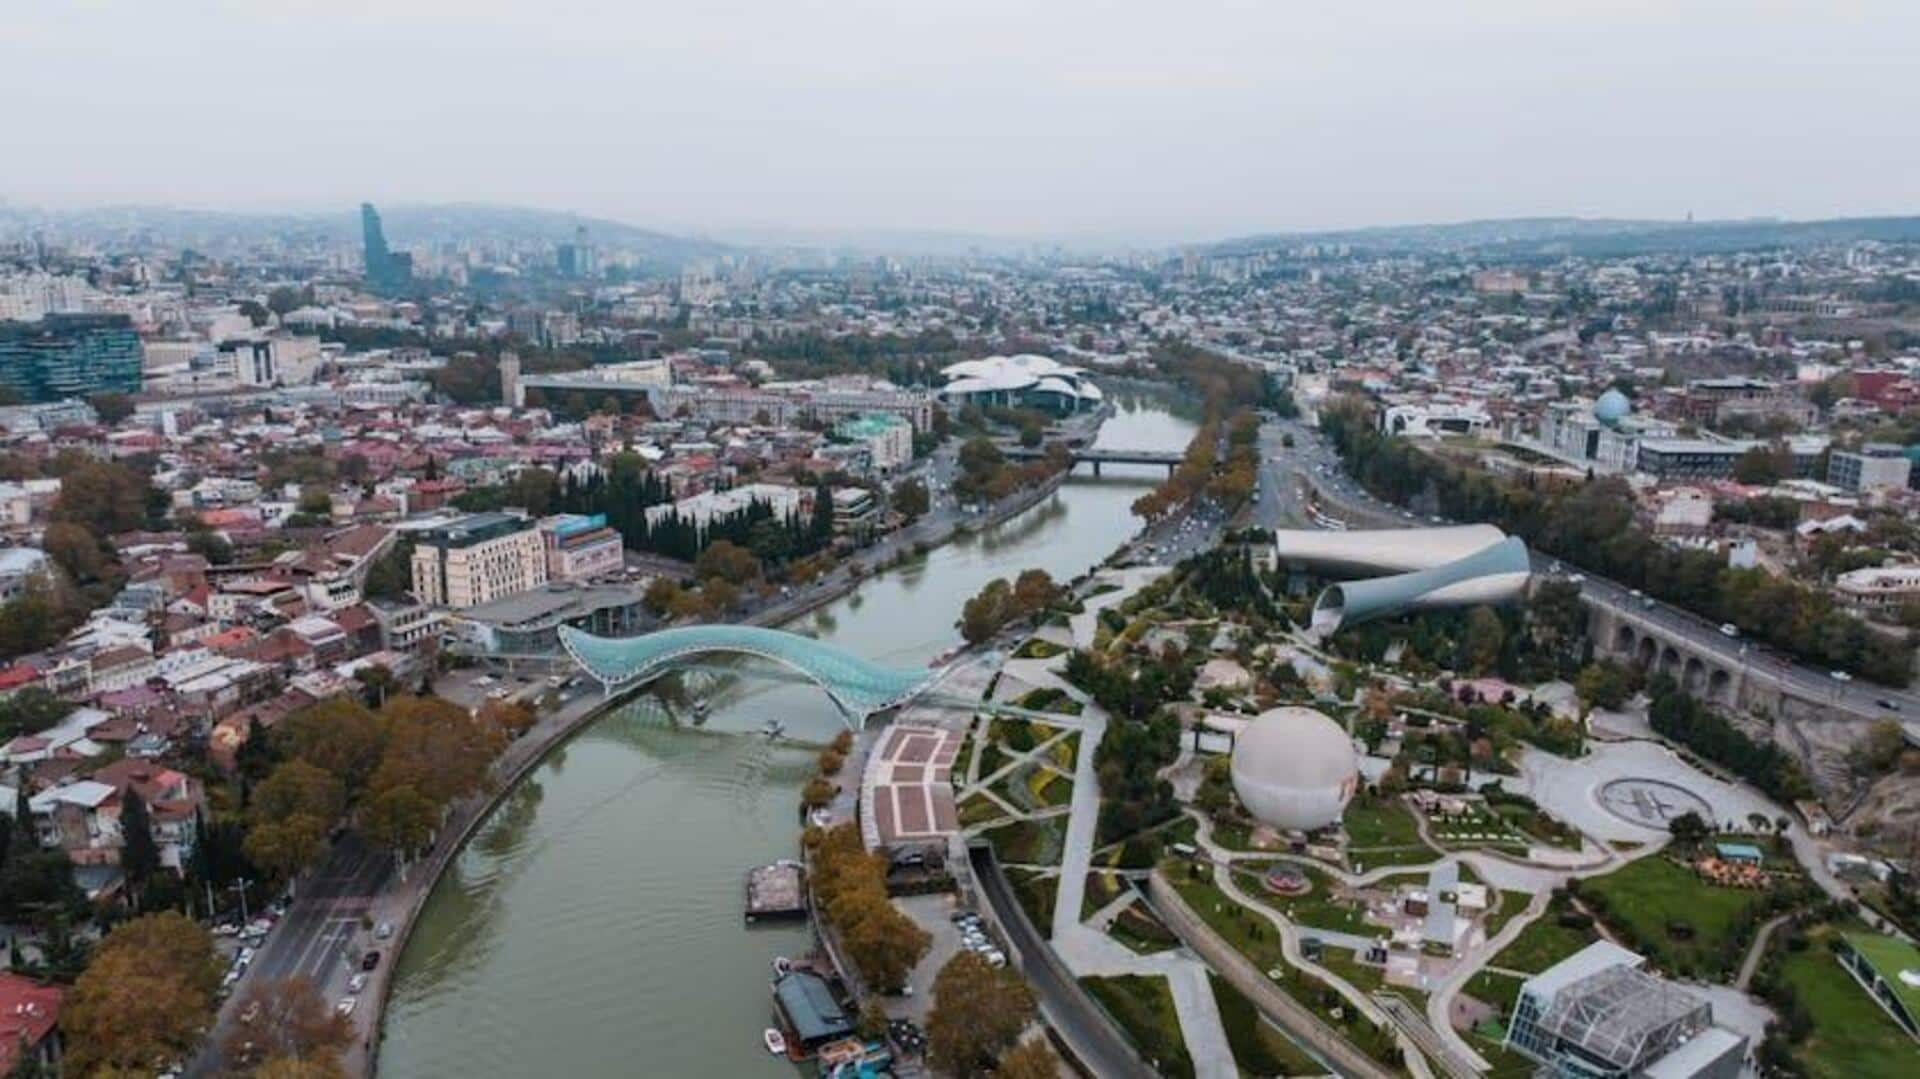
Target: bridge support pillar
<point x="1096" y="470"/>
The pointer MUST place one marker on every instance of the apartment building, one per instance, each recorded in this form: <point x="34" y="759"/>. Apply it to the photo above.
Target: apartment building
<point x="1876" y="466"/>
<point x="478" y="558"/>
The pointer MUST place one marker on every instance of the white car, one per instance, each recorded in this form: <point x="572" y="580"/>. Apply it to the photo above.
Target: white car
<point x="1728" y="629"/>
<point x="345" y="1007"/>
<point x="1840" y="676"/>
<point x="356" y="983"/>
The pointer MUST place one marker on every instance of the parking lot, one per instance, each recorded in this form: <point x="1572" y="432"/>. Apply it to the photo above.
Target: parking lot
<point x="933" y="913"/>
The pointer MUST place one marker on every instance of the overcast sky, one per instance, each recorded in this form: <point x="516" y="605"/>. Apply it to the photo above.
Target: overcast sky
<point x="1154" y="120"/>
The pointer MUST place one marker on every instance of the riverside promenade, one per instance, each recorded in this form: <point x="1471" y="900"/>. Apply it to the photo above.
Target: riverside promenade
<point x="399" y="905"/>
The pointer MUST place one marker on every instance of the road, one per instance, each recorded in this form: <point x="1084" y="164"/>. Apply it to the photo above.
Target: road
<point x="1315" y="461"/>
<point x="1102" y="1049"/>
<point x="321" y="937"/>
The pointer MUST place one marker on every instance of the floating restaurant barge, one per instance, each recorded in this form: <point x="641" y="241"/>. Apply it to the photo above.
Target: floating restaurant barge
<point x="776" y="891"/>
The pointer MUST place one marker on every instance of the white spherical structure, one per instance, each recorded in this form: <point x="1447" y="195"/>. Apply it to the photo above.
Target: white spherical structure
<point x="1294" y="769"/>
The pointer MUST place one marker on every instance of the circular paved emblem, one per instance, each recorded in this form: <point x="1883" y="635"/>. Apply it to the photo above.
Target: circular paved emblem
<point x="1651" y="803"/>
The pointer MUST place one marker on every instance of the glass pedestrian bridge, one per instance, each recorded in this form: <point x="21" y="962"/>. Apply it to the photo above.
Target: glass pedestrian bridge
<point x="860" y="688"/>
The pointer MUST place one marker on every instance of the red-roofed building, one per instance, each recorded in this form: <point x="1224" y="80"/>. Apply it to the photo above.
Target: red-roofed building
<point x="29" y="1023"/>
<point x="18" y="677"/>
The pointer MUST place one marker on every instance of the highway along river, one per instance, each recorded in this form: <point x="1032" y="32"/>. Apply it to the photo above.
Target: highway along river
<point x="593" y="925"/>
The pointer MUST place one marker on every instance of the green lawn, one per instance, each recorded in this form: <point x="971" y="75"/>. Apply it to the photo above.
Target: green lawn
<point x="1498" y="990"/>
<point x="1141" y="931"/>
<point x="1030" y="842"/>
<point x="1504" y="909"/>
<point x="1101" y="889"/>
<point x="1036" y="895"/>
<point x="1653" y="894"/>
<point x="1064" y="752"/>
<point x="1253" y="936"/>
<point x="1037" y="648"/>
<point x="1543" y="943"/>
<point x="1052" y="789"/>
<point x="1317" y="909"/>
<point x="1852" y="1038"/>
<point x="1382" y="831"/>
<point x="1142" y="1005"/>
<point x="1258" y="1046"/>
<point x="979" y="809"/>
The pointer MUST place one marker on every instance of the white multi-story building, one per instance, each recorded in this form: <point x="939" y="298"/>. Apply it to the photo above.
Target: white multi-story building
<point x="888" y="439"/>
<point x="478" y="558"/>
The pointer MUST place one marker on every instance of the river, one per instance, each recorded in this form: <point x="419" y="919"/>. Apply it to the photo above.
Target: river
<point x="592" y="927"/>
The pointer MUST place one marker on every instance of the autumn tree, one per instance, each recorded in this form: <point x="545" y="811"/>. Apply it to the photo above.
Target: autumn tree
<point x="291" y="812"/>
<point x="978" y="1013"/>
<point x="297" y="1068"/>
<point x="1031" y="1059"/>
<point x="727" y="561"/>
<point x="145" y="996"/>
<point x="293" y="1022"/>
<point x="1485" y="636"/>
<point x="910" y="498"/>
<point x="339" y="735"/>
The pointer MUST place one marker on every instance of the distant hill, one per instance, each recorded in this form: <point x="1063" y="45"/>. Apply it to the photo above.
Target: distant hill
<point x="1548" y="237"/>
<point x="405" y="224"/>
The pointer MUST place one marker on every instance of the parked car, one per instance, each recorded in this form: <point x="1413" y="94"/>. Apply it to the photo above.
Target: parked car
<point x="370" y="961"/>
<point x="356" y="983"/>
<point x="1890" y="706"/>
<point x="345" y="1007"/>
<point x="383" y="931"/>
<point x="1728" y="629"/>
<point x="1840" y="676"/>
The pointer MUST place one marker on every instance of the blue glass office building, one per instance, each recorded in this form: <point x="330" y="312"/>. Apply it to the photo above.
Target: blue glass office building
<point x="63" y="356"/>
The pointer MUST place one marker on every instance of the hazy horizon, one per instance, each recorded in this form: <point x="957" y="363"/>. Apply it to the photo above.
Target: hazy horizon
<point x="1110" y="121"/>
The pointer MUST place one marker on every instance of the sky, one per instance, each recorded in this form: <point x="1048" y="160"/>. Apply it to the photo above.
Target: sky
<point x="1149" y="121"/>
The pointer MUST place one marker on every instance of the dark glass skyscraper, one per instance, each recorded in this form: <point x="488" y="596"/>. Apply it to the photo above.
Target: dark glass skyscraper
<point x="63" y="356"/>
<point x="387" y="271"/>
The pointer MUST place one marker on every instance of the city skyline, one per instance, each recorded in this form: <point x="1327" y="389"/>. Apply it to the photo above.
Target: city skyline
<point x="1114" y="123"/>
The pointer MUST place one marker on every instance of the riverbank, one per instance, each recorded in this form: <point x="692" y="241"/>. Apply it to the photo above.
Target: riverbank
<point x="581" y="930"/>
<point x="401" y="906"/>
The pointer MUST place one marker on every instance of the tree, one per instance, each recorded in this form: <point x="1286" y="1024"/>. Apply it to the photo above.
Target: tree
<point x="111" y="407"/>
<point x="298" y="788"/>
<point x="1485" y="636"/>
<point x="378" y="681"/>
<point x="293" y="1022"/>
<point x="884" y="943"/>
<point x="1603" y="685"/>
<point x="139" y="854"/>
<point x="391" y="575"/>
<point x="285" y="847"/>
<point x="978" y="1013"/>
<point x="145" y="996"/>
<point x="910" y="498"/>
<point x="1031" y="1059"/>
<point x="30" y="711"/>
<point x="339" y="736"/>
<point x="79" y="550"/>
<point x="104" y="496"/>
<point x="729" y="562"/>
<point x="1687" y="828"/>
<point x="1763" y="466"/>
<point x="400" y="819"/>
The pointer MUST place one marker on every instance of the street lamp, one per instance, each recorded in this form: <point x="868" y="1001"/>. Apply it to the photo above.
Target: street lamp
<point x="241" y="887"/>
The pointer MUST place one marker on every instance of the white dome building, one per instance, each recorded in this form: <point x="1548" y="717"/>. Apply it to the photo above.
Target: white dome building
<point x="1294" y="769"/>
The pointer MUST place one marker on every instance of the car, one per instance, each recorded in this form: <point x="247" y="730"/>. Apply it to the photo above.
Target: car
<point x="232" y="977"/>
<point x="1887" y="704"/>
<point x="345" y="1007"/>
<point x="226" y="929"/>
<point x="1728" y="629"/>
<point x="995" y="957"/>
<point x="370" y="961"/>
<point x="246" y="955"/>
<point x="356" y="983"/>
<point x="383" y="931"/>
<point x="1840" y="676"/>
